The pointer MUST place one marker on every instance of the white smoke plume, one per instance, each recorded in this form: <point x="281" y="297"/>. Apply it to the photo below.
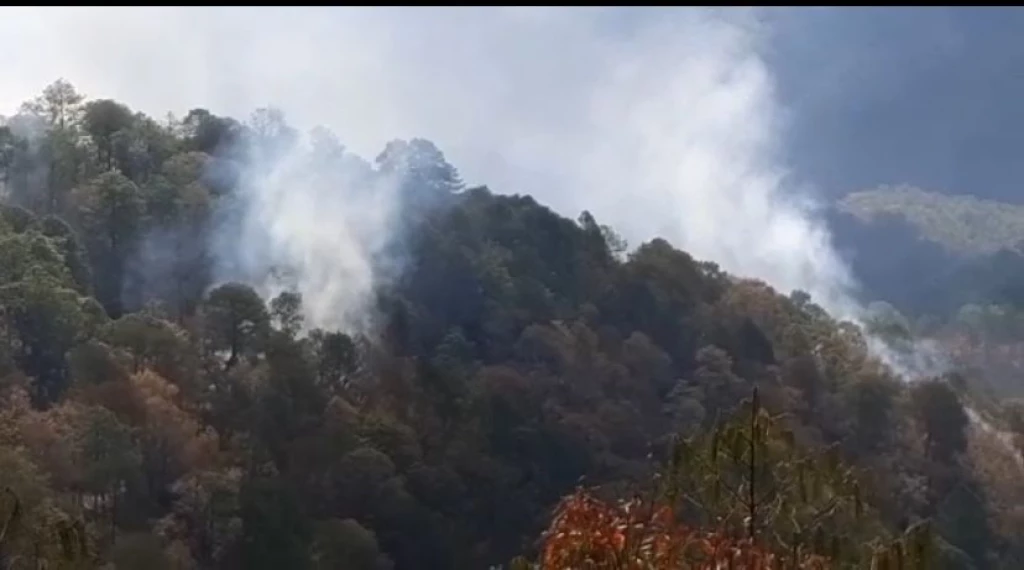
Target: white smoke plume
<point x="662" y="122"/>
<point x="313" y="219"/>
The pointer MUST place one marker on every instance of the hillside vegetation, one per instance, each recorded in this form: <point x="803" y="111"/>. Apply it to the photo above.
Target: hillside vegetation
<point x="931" y="254"/>
<point x="151" y="418"/>
<point x="951" y="265"/>
<point x="963" y="224"/>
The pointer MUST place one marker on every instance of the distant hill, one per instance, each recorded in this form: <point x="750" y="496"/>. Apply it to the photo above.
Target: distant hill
<point x="962" y="224"/>
<point x="929" y="253"/>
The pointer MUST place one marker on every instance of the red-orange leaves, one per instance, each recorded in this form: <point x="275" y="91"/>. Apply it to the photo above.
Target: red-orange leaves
<point x="590" y="534"/>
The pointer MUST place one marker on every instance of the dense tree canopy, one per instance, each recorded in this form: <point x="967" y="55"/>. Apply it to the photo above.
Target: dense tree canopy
<point x="154" y="417"/>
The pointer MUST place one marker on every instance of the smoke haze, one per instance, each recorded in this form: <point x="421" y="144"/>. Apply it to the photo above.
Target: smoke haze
<point x="663" y="122"/>
<point x="315" y="220"/>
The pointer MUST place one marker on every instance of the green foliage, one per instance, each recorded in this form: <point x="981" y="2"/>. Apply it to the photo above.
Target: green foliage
<point x="346" y="543"/>
<point x="152" y="417"/>
<point x="33" y="530"/>
<point x="286" y="310"/>
<point x="107" y="453"/>
<point x="748" y="477"/>
<point x="110" y="212"/>
<point x="274" y="531"/>
<point x="943" y="419"/>
<point x="236" y="320"/>
<point x="139" y="551"/>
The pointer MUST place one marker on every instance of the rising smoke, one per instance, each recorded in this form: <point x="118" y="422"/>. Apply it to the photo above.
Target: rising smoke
<point x="660" y="122"/>
<point x="311" y="218"/>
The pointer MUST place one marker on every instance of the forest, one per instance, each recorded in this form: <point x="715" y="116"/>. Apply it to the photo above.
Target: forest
<point x="532" y="392"/>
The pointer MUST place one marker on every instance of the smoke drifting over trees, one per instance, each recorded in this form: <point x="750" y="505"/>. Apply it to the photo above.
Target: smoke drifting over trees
<point x="251" y="336"/>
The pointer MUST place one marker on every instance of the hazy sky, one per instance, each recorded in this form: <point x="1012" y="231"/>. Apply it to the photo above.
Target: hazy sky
<point x="933" y="97"/>
<point x="928" y="96"/>
<point x="703" y="126"/>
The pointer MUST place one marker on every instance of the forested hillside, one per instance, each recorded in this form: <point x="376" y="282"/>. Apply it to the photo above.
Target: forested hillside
<point x="951" y="265"/>
<point x="155" y="417"/>
<point x="930" y="253"/>
<point x="961" y="224"/>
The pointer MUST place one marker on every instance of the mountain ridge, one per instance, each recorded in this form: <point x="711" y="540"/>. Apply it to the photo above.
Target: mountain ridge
<point x="962" y="223"/>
